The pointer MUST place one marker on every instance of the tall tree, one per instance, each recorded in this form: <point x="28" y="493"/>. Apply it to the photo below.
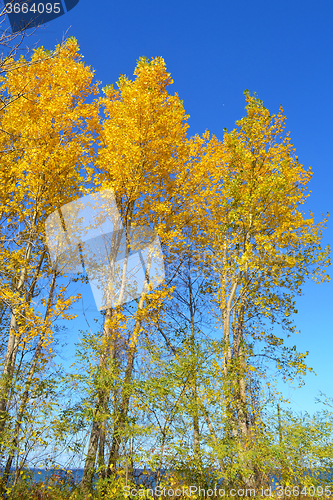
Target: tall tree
<point x="144" y="157"/>
<point x="263" y="249"/>
<point x="47" y="135"/>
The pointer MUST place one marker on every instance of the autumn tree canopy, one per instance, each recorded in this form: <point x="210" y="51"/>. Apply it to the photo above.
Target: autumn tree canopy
<point x="179" y="378"/>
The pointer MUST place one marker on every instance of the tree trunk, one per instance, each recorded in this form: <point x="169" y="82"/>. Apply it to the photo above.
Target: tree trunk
<point x="28" y="384"/>
<point x="14" y="339"/>
<point x="126" y="392"/>
<point x="97" y="434"/>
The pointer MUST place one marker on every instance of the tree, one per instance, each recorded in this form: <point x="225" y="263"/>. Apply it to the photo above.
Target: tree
<point x="262" y="251"/>
<point x="47" y="137"/>
<point x="142" y="158"/>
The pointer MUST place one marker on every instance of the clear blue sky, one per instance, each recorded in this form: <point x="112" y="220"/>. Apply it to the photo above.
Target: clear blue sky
<point x="283" y="50"/>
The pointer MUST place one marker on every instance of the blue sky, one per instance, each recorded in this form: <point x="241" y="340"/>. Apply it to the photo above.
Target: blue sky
<point x="215" y="50"/>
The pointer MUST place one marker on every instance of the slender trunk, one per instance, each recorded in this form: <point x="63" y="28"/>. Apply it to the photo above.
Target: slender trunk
<point x="14" y="339"/>
<point x="122" y="415"/>
<point x="212" y="433"/>
<point x="126" y="393"/>
<point x="195" y="413"/>
<point x="228" y="363"/>
<point x="226" y="311"/>
<point x="279" y="424"/>
<point x="89" y="465"/>
<point x="196" y="433"/>
<point x="226" y="306"/>
<point x="101" y="446"/>
<point x="240" y="392"/>
<point x="97" y="434"/>
<point x="200" y="404"/>
<point x="160" y="461"/>
<point x="25" y="396"/>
